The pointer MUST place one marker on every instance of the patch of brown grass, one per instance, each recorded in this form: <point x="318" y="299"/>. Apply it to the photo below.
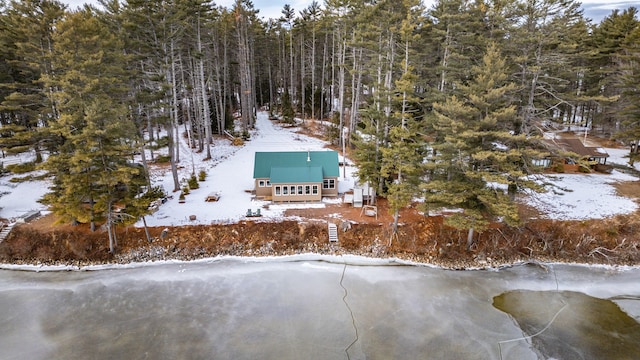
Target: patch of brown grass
<point x="419" y="238"/>
<point x="630" y="189"/>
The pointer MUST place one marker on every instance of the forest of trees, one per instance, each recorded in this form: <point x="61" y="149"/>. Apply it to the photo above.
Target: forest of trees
<point x="442" y="104"/>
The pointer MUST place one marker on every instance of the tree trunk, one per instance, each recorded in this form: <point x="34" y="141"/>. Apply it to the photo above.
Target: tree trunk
<point x="302" y="71"/>
<point x="470" y="238"/>
<point x="112" y="242"/>
<point x="206" y="121"/>
<point x="246" y="93"/>
<point x="146" y="229"/>
<point x="313" y="71"/>
<point x="170" y="133"/>
<point x="324" y="75"/>
<point x="445" y="59"/>
<point x="174" y="93"/>
<point x="341" y="89"/>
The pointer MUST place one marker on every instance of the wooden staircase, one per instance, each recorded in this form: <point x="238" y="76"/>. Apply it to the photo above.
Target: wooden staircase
<point x="333" y="232"/>
<point x="4" y="231"/>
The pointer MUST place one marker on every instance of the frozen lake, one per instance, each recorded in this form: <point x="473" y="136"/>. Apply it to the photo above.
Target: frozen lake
<point x="311" y="307"/>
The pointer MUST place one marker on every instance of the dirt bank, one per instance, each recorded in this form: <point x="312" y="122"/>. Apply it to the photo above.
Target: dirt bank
<point x="423" y="239"/>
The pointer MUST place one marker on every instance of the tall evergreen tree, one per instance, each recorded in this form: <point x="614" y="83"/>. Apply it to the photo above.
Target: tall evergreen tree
<point x="477" y="160"/>
<point x="543" y="45"/>
<point x="25" y="105"/>
<point x="91" y="169"/>
<point x="629" y="75"/>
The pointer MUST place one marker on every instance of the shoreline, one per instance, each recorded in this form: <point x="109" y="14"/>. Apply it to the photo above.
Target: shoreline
<point x="610" y="242"/>
<point x="339" y="259"/>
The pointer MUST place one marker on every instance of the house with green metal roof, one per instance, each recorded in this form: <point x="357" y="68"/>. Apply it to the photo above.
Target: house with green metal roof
<point x="294" y="176"/>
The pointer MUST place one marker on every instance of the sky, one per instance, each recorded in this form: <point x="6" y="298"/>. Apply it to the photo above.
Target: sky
<point x="594" y="9"/>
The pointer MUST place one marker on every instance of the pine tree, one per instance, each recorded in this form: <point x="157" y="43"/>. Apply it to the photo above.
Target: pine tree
<point x="457" y="35"/>
<point x="91" y="168"/>
<point x="478" y="163"/>
<point x="543" y="46"/>
<point x="630" y="94"/>
<point x="25" y="107"/>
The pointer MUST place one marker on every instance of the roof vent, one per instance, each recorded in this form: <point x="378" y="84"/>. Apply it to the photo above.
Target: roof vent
<point x="308" y="156"/>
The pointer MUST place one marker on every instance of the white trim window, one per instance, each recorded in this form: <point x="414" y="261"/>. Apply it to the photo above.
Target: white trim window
<point x="329" y="184"/>
<point x="261" y="183"/>
<point x="277" y="191"/>
<point x="315" y="190"/>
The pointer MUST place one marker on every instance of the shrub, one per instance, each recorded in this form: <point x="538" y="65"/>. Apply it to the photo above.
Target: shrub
<point x="22" y="168"/>
<point x="156" y="192"/>
<point x="16" y="180"/>
<point x="559" y="168"/>
<point x="162" y="159"/>
<point x="185" y="190"/>
<point x="584" y="169"/>
<point x="237" y="142"/>
<point x="160" y="143"/>
<point x="193" y="182"/>
<point x="202" y="175"/>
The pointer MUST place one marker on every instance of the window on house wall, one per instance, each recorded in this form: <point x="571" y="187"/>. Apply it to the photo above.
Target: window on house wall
<point x="261" y="183"/>
<point x="285" y="190"/>
<point x="268" y="183"/>
<point x="307" y="189"/>
<point x="315" y="190"/>
<point x="292" y="190"/>
<point x="277" y="190"/>
<point x="299" y="189"/>
<point x="329" y="184"/>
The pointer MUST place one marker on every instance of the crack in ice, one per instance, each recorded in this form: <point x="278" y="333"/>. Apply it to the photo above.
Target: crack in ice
<point x="353" y="319"/>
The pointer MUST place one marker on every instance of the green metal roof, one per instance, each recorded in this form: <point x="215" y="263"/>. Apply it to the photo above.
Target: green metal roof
<point x="295" y="166"/>
<point x="285" y="175"/>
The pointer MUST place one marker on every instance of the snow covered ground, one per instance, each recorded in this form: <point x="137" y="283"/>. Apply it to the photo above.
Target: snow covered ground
<point x="230" y="172"/>
<point x="582" y="196"/>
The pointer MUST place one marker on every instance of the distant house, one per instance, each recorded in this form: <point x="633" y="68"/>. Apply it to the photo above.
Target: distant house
<point x="575" y="145"/>
<point x="292" y="176"/>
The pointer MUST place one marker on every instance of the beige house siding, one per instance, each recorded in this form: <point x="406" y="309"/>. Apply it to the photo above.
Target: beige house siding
<point x="263" y="187"/>
<point x="330" y="187"/>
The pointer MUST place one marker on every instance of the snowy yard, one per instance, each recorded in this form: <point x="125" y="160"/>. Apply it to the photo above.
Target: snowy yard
<point x="230" y="173"/>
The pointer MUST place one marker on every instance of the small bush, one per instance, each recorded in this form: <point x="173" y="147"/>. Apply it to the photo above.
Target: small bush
<point x="156" y="192"/>
<point x="160" y="143"/>
<point x="193" y="182"/>
<point x="160" y="159"/>
<point x="22" y="179"/>
<point x="22" y="168"/>
<point x="202" y="175"/>
<point x="584" y="169"/>
<point x="237" y="142"/>
<point x="185" y="190"/>
<point x="559" y="168"/>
